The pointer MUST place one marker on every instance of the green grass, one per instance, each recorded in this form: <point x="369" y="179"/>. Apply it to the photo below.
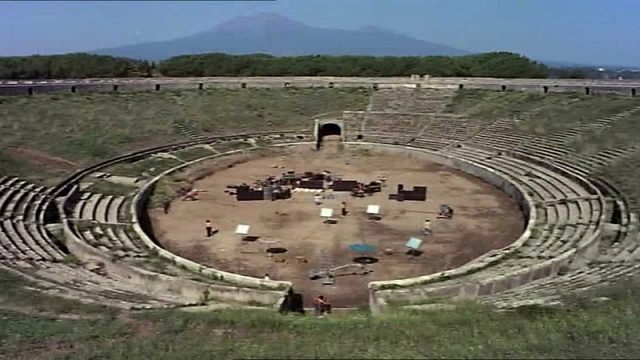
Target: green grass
<point x="166" y="189"/>
<point x="254" y="110"/>
<point x="110" y="188"/>
<point x="86" y="128"/>
<point x="622" y="133"/>
<point x="148" y="167"/>
<point x="581" y="330"/>
<point x="548" y="113"/>
<point x="231" y="145"/>
<point x="626" y="172"/>
<point x="155" y="263"/>
<point x="21" y="293"/>
<point x="40" y="175"/>
<point x="487" y="105"/>
<point x="193" y="153"/>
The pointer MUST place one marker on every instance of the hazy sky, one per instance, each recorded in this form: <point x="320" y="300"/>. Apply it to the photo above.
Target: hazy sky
<point x="579" y="31"/>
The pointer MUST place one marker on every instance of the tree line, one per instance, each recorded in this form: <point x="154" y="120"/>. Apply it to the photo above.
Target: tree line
<point x="497" y="64"/>
<point x="77" y="66"/>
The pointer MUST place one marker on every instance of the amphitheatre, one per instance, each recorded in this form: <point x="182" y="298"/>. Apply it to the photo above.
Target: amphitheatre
<point x="544" y="207"/>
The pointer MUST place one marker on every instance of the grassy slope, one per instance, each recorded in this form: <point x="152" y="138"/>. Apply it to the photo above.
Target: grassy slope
<point x="17" y="292"/>
<point x="626" y="172"/>
<point x="626" y="175"/>
<point x="85" y="128"/>
<point x="557" y="111"/>
<point x="587" y="331"/>
<point x="551" y="112"/>
<point x="622" y="133"/>
<point x="9" y="165"/>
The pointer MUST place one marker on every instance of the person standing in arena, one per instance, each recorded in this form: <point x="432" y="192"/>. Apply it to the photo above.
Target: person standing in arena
<point x="208" y="227"/>
<point x="426" y="228"/>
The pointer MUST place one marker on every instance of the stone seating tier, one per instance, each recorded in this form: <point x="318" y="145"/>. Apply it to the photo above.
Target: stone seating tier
<point x="552" y="290"/>
<point x="101" y="210"/>
<point x="90" y="287"/>
<point x="99" y="207"/>
<point x="567" y="211"/>
<point x="21" y="237"/>
<point x="112" y="238"/>
<point x="565" y="223"/>
<point x="410" y="100"/>
<point x="27" y="249"/>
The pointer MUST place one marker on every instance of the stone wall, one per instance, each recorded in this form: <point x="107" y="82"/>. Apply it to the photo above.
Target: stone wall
<point x="620" y="87"/>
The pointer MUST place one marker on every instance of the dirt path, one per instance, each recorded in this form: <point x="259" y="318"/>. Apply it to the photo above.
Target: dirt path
<point x="41" y="158"/>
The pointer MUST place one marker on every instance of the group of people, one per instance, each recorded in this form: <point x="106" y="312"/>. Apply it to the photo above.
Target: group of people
<point x="293" y="302"/>
<point x="445" y="212"/>
<point x="317" y="199"/>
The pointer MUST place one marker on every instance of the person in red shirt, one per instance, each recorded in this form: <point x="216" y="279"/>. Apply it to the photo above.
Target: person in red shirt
<point x="321" y="306"/>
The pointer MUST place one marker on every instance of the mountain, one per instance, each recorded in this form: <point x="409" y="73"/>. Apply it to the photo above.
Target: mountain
<point x="278" y="35"/>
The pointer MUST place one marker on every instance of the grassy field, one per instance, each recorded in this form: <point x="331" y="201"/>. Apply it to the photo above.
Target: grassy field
<point x="622" y="133"/>
<point x="626" y="172"/>
<point x="86" y="128"/>
<point x="193" y="153"/>
<point x="10" y="165"/>
<point x="584" y="330"/>
<point x="626" y="176"/>
<point x="546" y="113"/>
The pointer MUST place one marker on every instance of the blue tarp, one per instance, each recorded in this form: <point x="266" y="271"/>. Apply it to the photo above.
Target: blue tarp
<point x="414" y="243"/>
<point x="362" y="248"/>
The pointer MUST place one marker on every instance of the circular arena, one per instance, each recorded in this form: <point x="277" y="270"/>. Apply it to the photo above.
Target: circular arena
<point x="532" y="220"/>
<point x="485" y="219"/>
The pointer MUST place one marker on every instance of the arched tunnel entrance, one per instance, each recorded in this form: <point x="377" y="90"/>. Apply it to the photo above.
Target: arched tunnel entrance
<point x="327" y="129"/>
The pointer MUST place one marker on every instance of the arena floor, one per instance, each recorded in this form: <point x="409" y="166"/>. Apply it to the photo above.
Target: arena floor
<point x="485" y="218"/>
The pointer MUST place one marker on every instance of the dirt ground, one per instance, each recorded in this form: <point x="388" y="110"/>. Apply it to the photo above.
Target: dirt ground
<point x="485" y="218"/>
